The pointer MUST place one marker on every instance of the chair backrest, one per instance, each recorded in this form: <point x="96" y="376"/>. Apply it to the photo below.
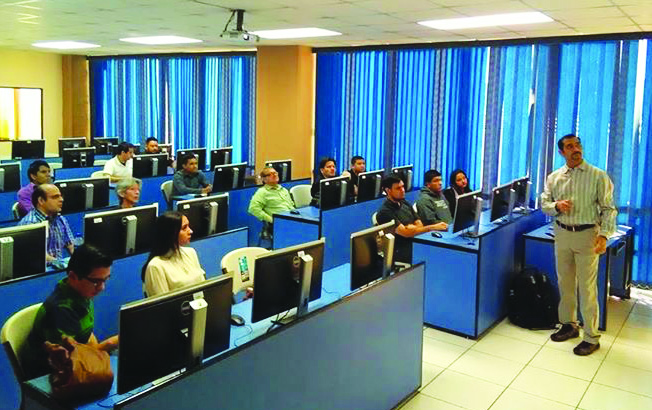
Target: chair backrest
<point x="166" y="189"/>
<point x="301" y="195"/>
<point x="231" y="262"/>
<point x="14" y="211"/>
<point x="14" y="335"/>
<point x="373" y="219"/>
<point x="100" y="174"/>
<point x="414" y="206"/>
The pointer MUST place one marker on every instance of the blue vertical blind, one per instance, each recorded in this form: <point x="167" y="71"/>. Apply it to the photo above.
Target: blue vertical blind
<point x="497" y="113"/>
<point x="189" y="101"/>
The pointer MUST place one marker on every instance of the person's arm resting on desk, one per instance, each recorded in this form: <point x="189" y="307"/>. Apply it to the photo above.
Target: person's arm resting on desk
<point x="203" y="181"/>
<point x="413" y="229"/>
<point x="180" y="187"/>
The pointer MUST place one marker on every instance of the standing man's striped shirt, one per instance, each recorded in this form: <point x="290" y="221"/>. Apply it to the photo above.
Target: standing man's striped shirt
<point x="59" y="233"/>
<point x="589" y="189"/>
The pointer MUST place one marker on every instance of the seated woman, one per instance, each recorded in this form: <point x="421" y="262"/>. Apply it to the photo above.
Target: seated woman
<point x="128" y="191"/>
<point x="459" y="184"/>
<point x="326" y="170"/>
<point x="171" y="264"/>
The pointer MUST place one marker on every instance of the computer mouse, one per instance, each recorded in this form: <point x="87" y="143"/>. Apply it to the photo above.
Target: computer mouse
<point x="237" y="320"/>
<point x="295" y="212"/>
<point x="436" y="234"/>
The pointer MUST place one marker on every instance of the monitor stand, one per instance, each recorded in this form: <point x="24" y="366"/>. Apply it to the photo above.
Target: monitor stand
<point x="305" y="267"/>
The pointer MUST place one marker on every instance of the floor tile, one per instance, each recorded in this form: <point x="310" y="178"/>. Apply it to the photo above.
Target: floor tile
<point x="552" y="386"/>
<point x="487" y="367"/>
<point x="428" y="373"/>
<point x="447" y="337"/>
<point x="516" y="400"/>
<point x="605" y="343"/>
<point x="599" y="397"/>
<point x="639" y="337"/>
<point x="462" y="390"/>
<point x="643" y="308"/>
<point x="506" y="347"/>
<point x="506" y="328"/>
<point x="567" y="363"/>
<point x="625" y="378"/>
<point x="630" y="356"/>
<point x="639" y="321"/>
<point x="423" y="402"/>
<point x="440" y="353"/>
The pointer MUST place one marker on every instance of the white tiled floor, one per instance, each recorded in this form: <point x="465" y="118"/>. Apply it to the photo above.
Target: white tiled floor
<point x="515" y="369"/>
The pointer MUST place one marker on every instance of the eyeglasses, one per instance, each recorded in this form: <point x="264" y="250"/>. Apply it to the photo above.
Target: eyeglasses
<point x="97" y="282"/>
<point x="271" y="173"/>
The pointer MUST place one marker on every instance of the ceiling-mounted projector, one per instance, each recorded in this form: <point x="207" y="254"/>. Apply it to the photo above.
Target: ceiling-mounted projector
<point x="239" y="33"/>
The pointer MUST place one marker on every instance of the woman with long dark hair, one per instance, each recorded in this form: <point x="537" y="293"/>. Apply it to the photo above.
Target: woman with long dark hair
<point x="459" y="184"/>
<point x="171" y="264"/>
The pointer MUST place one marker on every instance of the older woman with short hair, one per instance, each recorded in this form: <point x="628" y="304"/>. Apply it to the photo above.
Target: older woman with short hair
<point x="128" y="191"/>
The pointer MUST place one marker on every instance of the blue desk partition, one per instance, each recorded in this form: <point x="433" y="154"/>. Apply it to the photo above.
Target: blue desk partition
<point x="467" y="279"/>
<point x="7" y="200"/>
<point x="74" y="173"/>
<point x="24" y="165"/>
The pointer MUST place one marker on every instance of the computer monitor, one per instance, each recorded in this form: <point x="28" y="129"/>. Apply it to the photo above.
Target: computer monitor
<point x="229" y="177"/>
<point x="502" y="202"/>
<point x="333" y="192"/>
<point x="176" y="330"/>
<point x="283" y="167"/>
<point x="523" y="188"/>
<point x="123" y="231"/>
<point x="10" y="177"/>
<point x="22" y="250"/>
<point x="221" y="156"/>
<point x="200" y="154"/>
<point x="150" y="165"/>
<point x="467" y="212"/>
<point x="82" y="194"/>
<point x="369" y="185"/>
<point x="207" y="216"/>
<point x="165" y="149"/>
<point x="77" y="142"/>
<point x="104" y="145"/>
<point x="28" y="149"/>
<point x="78" y="157"/>
<point x="287" y="278"/>
<point x="405" y="173"/>
<point x="372" y="254"/>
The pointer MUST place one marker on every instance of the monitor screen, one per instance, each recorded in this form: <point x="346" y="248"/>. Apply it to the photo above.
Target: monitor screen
<point x="200" y="154"/>
<point x="369" y="249"/>
<point x="22" y="250"/>
<point x="104" y="145"/>
<point x="155" y="336"/>
<point x="333" y="192"/>
<point x="77" y="142"/>
<point x="83" y="194"/>
<point x="465" y="211"/>
<point x="207" y="216"/>
<point x="500" y="201"/>
<point x="522" y="186"/>
<point x="78" y="157"/>
<point x="150" y="165"/>
<point x="28" y="149"/>
<point x="123" y="231"/>
<point x="221" y="156"/>
<point x="277" y="285"/>
<point x="229" y="177"/>
<point x="369" y="185"/>
<point x="283" y="167"/>
<point x="405" y="173"/>
<point x="10" y="177"/>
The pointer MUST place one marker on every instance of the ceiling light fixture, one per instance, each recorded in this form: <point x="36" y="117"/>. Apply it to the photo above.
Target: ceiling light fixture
<point x="295" y="33"/>
<point x="487" y="21"/>
<point x="65" y="45"/>
<point x="160" y="40"/>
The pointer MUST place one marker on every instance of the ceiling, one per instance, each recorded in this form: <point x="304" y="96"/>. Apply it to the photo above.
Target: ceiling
<point x="361" y="22"/>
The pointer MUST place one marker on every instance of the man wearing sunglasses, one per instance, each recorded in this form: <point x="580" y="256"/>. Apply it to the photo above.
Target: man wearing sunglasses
<point x="271" y="198"/>
<point x="68" y="311"/>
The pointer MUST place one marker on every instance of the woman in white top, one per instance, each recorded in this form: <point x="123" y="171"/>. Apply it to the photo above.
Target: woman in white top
<point x="171" y="265"/>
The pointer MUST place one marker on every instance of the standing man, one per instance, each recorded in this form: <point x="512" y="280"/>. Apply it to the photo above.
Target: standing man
<point x="358" y="166"/>
<point x="38" y="173"/>
<point x="189" y="179"/>
<point x="271" y="198"/>
<point x="580" y="197"/>
<point x="121" y="166"/>
<point x="432" y="206"/>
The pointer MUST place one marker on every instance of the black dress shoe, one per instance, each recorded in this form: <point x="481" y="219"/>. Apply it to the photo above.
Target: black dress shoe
<point x="586" y="348"/>
<point x="567" y="331"/>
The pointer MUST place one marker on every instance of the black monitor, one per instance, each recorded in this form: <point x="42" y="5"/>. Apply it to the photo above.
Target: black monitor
<point x="221" y="156"/>
<point x="502" y="201"/>
<point x="523" y="188"/>
<point x="229" y="177"/>
<point x="77" y="142"/>
<point x="176" y="330"/>
<point x="333" y="192"/>
<point x="78" y="157"/>
<point x="22" y="250"/>
<point x="104" y="145"/>
<point x="286" y="279"/>
<point x="467" y="211"/>
<point x="10" y="177"/>
<point x="405" y="173"/>
<point x="123" y="231"/>
<point x="283" y="167"/>
<point x="369" y="185"/>
<point x="82" y="194"/>
<point x="28" y="149"/>
<point x="207" y="216"/>
<point x="200" y="154"/>
<point x="372" y="254"/>
<point x="150" y="165"/>
<point x="165" y="149"/>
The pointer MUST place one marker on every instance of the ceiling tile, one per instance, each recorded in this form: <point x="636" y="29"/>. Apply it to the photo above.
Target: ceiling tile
<point x="435" y="14"/>
<point x="499" y="7"/>
<point x="394" y="6"/>
<point x="586" y="14"/>
<point x="566" y="4"/>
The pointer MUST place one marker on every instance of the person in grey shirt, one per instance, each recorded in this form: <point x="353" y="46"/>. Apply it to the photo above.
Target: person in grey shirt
<point x="190" y="180"/>
<point x="580" y="197"/>
<point x="432" y="206"/>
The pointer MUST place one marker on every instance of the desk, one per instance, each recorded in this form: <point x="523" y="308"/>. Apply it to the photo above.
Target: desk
<point x="75" y="173"/>
<point x="467" y="280"/>
<point x="362" y="351"/>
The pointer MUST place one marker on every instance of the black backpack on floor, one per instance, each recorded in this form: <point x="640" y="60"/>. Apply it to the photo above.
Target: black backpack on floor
<point x="532" y="301"/>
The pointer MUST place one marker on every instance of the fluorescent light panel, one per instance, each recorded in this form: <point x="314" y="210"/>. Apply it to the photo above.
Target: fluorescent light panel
<point x="488" y="21"/>
<point x="158" y="40"/>
<point x="64" y="45"/>
<point x="295" y="33"/>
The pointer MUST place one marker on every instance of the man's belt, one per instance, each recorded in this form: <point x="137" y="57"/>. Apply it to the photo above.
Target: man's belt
<point x="575" y="228"/>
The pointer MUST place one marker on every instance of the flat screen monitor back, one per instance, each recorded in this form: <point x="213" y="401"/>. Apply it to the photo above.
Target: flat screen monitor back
<point x="221" y="156"/>
<point x="9" y="177"/>
<point x="369" y="186"/>
<point x="283" y="167"/>
<point x="200" y="154"/>
<point x="152" y="339"/>
<point x="28" y="149"/>
<point x="367" y="258"/>
<point x="77" y="142"/>
<point x="500" y="201"/>
<point x="104" y="145"/>
<point x="197" y="211"/>
<point x="465" y="211"/>
<point x="142" y="165"/>
<point x="406" y="174"/>
<point x="78" y="157"/>
<point x="29" y="248"/>
<point x="74" y="193"/>
<point x="521" y="186"/>
<point x="333" y="193"/>
<point x="223" y="179"/>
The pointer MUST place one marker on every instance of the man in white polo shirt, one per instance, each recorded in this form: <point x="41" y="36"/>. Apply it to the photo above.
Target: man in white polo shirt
<point x="121" y="166"/>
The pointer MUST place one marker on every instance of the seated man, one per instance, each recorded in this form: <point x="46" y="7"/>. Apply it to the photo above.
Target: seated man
<point x="406" y="222"/>
<point x="38" y="173"/>
<point x="271" y="198"/>
<point x="121" y="166"/>
<point x="326" y="170"/>
<point x="432" y="206"/>
<point x="68" y="311"/>
<point x="190" y="180"/>
<point x="358" y="166"/>
<point x="151" y="146"/>
<point x="47" y="201"/>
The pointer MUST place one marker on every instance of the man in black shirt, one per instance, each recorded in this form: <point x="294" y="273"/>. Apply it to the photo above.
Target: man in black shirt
<point x="407" y="223"/>
<point x="358" y="166"/>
